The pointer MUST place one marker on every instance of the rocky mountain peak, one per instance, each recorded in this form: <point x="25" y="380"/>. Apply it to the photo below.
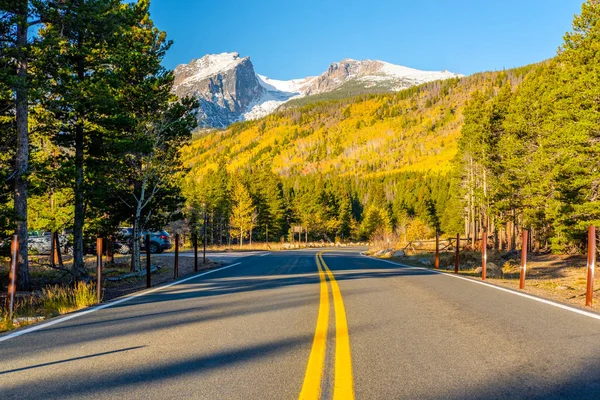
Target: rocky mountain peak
<point x="225" y="85"/>
<point x="229" y="89"/>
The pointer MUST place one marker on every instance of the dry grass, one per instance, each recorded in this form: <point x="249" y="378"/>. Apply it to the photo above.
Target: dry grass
<point x="51" y="301"/>
<point x="26" y="311"/>
<point x="56" y="300"/>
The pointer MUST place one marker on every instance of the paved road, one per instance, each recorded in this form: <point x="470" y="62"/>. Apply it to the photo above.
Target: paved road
<point x="284" y="324"/>
<point x="229" y="257"/>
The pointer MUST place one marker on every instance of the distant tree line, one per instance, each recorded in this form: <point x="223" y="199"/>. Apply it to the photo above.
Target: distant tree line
<point x="260" y="205"/>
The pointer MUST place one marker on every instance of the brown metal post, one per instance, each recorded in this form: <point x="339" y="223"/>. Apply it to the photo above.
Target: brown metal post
<point x="523" y="259"/>
<point x="12" y="275"/>
<point x="195" y="252"/>
<point x="437" y="250"/>
<point x="484" y="255"/>
<point x="591" y="264"/>
<point x="456" y="264"/>
<point x="148" y="261"/>
<point x="99" y="269"/>
<point x="176" y="266"/>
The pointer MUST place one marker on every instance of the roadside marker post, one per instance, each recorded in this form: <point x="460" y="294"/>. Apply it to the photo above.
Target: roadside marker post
<point x="523" y="259"/>
<point x="176" y="266"/>
<point x="456" y="264"/>
<point x="484" y="255"/>
<point x="99" y="269"/>
<point x="437" y="249"/>
<point x="12" y="275"/>
<point x="591" y="264"/>
<point x="148" y="278"/>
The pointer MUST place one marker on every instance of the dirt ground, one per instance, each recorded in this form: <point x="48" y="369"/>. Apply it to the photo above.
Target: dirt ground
<point x="557" y="277"/>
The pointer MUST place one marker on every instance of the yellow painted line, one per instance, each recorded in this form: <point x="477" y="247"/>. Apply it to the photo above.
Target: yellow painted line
<point x="343" y="388"/>
<point x="311" y="388"/>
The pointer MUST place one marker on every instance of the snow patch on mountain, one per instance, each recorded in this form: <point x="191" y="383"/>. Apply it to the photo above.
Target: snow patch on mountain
<point x="290" y="86"/>
<point x="402" y="72"/>
<point x="213" y="64"/>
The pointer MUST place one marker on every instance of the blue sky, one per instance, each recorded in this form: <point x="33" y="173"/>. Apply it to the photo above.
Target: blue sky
<point x="295" y="38"/>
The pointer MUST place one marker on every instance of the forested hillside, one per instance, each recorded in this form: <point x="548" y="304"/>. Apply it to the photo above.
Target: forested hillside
<point x="414" y="130"/>
<point x="494" y="152"/>
<point x="348" y="168"/>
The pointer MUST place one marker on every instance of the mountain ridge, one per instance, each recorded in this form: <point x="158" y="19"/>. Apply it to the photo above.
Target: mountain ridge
<point x="229" y="89"/>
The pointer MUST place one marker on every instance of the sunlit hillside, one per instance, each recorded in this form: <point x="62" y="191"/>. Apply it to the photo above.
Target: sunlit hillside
<point x="412" y="130"/>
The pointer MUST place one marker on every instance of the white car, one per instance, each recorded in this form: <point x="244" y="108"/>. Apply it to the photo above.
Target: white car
<point x="41" y="242"/>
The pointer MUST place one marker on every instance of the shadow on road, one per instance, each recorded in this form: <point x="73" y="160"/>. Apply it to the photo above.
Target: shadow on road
<point x="214" y="298"/>
<point x="70" y="360"/>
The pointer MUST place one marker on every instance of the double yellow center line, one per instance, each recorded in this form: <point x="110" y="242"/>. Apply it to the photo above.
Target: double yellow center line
<point x="343" y="388"/>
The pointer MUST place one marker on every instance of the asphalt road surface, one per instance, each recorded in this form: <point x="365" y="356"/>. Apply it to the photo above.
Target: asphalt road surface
<point x="229" y="257"/>
<point x="289" y="325"/>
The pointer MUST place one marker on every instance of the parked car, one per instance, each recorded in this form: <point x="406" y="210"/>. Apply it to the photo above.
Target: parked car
<point x="159" y="240"/>
<point x="40" y="242"/>
<point x="120" y="246"/>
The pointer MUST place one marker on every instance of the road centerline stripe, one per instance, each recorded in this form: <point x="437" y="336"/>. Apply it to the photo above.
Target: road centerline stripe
<point x="311" y="388"/>
<point x="343" y="388"/>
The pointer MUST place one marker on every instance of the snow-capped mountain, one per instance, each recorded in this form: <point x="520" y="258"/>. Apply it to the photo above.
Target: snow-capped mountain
<point x="229" y="89"/>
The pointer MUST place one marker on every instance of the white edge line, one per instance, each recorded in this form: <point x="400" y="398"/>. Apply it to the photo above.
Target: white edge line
<point x="492" y="286"/>
<point x="266" y="254"/>
<point x="107" y="305"/>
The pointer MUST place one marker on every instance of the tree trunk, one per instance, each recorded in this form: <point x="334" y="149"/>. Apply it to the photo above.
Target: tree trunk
<point x="79" y="217"/>
<point x="212" y="228"/>
<point x="78" y="268"/>
<point x="221" y="230"/>
<point x="110" y="250"/>
<point x="496" y="241"/>
<point x="241" y="238"/>
<point x="22" y="154"/>
<point x="58" y="252"/>
<point x="472" y="202"/>
<point x="53" y="245"/>
<point x="136" y="264"/>
<point x="536" y="248"/>
<point x="513" y="244"/>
